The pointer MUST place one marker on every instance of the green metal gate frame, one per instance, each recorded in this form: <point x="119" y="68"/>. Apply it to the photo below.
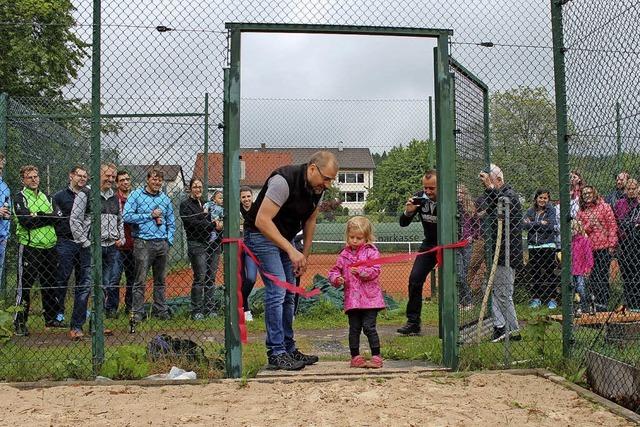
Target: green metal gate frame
<point x="445" y="152"/>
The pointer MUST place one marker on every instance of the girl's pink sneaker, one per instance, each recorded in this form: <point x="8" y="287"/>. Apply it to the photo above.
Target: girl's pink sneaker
<point x="375" y="362"/>
<point x="358" y="362"/>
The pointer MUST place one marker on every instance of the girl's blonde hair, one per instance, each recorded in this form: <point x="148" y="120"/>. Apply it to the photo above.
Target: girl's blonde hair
<point x="362" y="225"/>
<point x="577" y="228"/>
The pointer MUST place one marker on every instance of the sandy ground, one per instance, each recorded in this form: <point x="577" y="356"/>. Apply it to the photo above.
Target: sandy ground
<point x="406" y="400"/>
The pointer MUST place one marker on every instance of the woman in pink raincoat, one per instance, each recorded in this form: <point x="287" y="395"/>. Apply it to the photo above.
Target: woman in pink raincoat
<point x="362" y="292"/>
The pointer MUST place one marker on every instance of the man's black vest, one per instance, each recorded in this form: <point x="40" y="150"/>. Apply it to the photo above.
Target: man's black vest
<point x="298" y="207"/>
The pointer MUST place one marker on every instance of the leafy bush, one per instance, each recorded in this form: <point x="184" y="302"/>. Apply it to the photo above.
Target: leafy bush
<point x="128" y="362"/>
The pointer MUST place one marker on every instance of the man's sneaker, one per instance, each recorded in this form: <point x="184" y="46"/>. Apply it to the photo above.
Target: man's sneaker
<point x="55" y="324"/>
<point x="163" y="316"/>
<point x="21" y="330"/>
<point x="409" y="329"/>
<point x="60" y="317"/>
<point x="308" y="359"/>
<point x="515" y="336"/>
<point x="286" y="362"/>
<point x="248" y="317"/>
<point x="535" y="303"/>
<point x="358" y="362"/>
<point x="552" y="305"/>
<point x="375" y="362"/>
<point x="76" y="334"/>
<point x="498" y="334"/>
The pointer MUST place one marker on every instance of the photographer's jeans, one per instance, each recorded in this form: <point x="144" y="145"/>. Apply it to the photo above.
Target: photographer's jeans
<point x="278" y="303"/>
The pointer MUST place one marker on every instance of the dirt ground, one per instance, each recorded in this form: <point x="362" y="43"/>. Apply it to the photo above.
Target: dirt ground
<point x="394" y="277"/>
<point x="406" y="400"/>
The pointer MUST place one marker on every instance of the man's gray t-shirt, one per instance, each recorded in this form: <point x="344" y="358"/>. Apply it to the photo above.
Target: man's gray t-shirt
<point x="277" y="190"/>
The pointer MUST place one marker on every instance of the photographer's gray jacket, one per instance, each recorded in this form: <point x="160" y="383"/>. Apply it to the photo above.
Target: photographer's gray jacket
<point x="111" y="225"/>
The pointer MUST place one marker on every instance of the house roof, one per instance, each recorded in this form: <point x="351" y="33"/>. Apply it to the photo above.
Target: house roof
<point x="260" y="162"/>
<point x="139" y="172"/>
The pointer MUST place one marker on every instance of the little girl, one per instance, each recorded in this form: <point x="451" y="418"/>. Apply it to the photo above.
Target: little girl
<point x="362" y="293"/>
<point x="581" y="261"/>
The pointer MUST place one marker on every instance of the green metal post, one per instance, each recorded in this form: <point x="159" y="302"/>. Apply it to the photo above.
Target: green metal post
<point x="437" y="290"/>
<point x="233" y="355"/>
<point x="97" y="326"/>
<point x="4" y="110"/>
<point x="618" y="139"/>
<point x="205" y="175"/>
<point x="430" y="162"/>
<point x="563" y="170"/>
<point x="446" y="156"/>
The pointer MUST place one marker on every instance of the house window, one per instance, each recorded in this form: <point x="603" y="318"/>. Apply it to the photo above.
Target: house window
<point x="351" y="177"/>
<point x="352" y="196"/>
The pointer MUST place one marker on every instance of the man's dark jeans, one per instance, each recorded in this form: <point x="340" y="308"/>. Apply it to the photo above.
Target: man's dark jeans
<point x="72" y="257"/>
<point x="422" y="266"/>
<point x="204" y="262"/>
<point x="109" y="266"/>
<point x="150" y="253"/>
<point x="125" y="263"/>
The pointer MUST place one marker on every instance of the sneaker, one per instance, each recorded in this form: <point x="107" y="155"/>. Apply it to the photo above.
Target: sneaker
<point x="358" y="362"/>
<point x="21" y="330"/>
<point x="515" y="336"/>
<point x="308" y="359"/>
<point x="498" y="334"/>
<point x="60" y="317"/>
<point x="76" y="334"/>
<point x="409" y="329"/>
<point x="552" y="305"/>
<point x="248" y="317"/>
<point x="286" y="362"/>
<point x="535" y="303"/>
<point x="163" y="316"/>
<point x="198" y="316"/>
<point x="375" y="362"/>
<point x="54" y="324"/>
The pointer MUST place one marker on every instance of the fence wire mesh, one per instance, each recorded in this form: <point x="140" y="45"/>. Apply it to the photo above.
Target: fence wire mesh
<point x="602" y="136"/>
<point x="158" y="64"/>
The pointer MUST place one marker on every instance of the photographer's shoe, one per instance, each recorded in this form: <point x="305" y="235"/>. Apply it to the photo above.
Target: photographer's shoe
<point x="409" y="329"/>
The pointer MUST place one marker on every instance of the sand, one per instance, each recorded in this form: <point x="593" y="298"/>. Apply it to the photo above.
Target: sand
<point x="405" y="400"/>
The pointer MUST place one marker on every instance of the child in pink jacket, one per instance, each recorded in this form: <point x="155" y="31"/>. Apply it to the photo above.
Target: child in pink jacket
<point x="362" y="292"/>
<point x="581" y="261"/>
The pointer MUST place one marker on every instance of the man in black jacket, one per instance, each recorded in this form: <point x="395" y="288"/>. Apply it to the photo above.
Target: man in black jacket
<point x="423" y="204"/>
<point x="287" y="203"/>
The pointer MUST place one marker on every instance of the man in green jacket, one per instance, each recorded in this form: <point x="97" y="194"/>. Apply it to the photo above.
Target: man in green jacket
<point x="37" y="258"/>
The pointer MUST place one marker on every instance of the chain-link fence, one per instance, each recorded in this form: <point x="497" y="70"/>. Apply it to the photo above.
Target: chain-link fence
<point x="602" y="144"/>
<point x="156" y="67"/>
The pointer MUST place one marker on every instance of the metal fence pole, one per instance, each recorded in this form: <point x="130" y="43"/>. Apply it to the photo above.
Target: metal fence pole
<point x="97" y="332"/>
<point x="233" y="355"/>
<point x="4" y="109"/>
<point x="563" y="171"/>
<point x="446" y="205"/>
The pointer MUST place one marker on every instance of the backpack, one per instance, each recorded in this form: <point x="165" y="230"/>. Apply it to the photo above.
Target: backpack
<point x="165" y="346"/>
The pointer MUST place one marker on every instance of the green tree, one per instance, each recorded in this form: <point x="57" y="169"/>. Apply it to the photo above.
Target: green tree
<point x="523" y="139"/>
<point x="39" y="52"/>
<point x="398" y="176"/>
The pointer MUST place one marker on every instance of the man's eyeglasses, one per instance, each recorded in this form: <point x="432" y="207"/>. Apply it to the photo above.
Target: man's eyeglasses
<point x="325" y="178"/>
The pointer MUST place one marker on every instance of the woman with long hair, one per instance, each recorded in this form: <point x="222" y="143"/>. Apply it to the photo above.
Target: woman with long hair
<point x="599" y="223"/>
<point x="627" y="211"/>
<point x="540" y="224"/>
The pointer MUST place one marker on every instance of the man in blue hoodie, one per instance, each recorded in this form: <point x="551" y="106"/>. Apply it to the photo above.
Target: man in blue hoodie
<point x="150" y="212"/>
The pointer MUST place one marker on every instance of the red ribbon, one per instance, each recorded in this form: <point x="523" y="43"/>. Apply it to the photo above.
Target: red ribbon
<point x="408" y="257"/>
<point x="276" y="281"/>
<point x="313" y="292"/>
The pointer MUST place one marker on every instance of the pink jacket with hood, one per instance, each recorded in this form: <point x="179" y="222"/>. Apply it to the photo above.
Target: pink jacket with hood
<point x="361" y="290"/>
<point x="600" y="224"/>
